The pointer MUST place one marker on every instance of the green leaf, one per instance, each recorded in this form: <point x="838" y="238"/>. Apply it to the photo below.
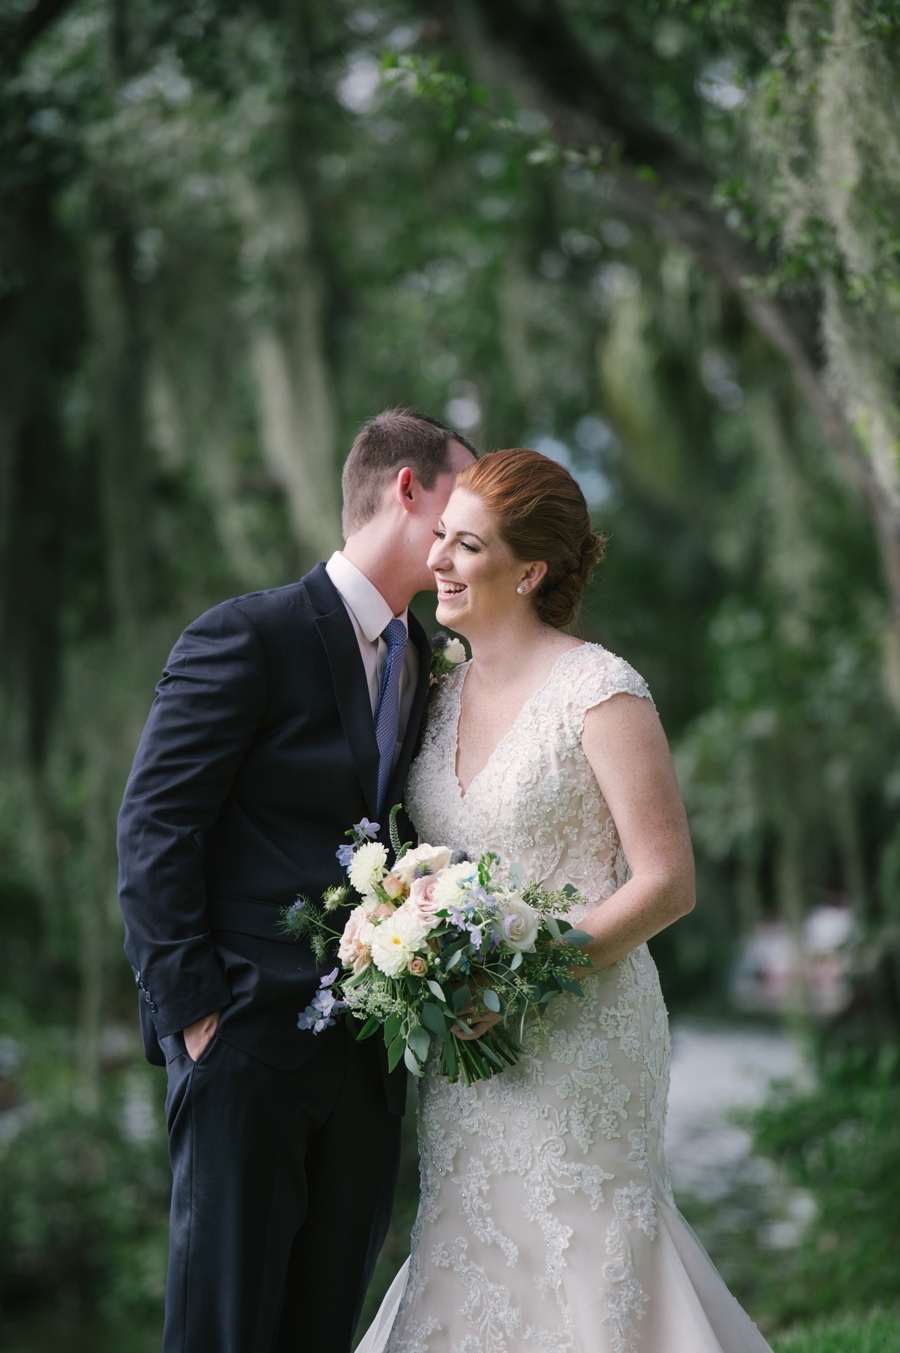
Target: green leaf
<point x="436" y="990"/>
<point x="369" y="1028"/>
<point x="489" y="1052"/>
<point x="420" y="1042"/>
<point x="569" y="984"/>
<point x="412" y="1065"/>
<point x="461" y="998"/>
<point x="579" y="938"/>
<point x="395" y="1052"/>
<point x="392" y="1026"/>
<point x="515" y="962"/>
<point x="454" y="959"/>
<point x="433" y="1018"/>
<point x="491" y="1000"/>
<point x="569" y="890"/>
<point x="553" y="927"/>
<point x="450" y="1058"/>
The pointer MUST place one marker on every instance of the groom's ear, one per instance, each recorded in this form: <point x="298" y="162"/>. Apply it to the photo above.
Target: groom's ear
<point x="405" y="488"/>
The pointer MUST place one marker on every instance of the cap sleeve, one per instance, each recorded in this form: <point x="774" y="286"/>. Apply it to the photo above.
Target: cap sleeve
<point x="593" y="676"/>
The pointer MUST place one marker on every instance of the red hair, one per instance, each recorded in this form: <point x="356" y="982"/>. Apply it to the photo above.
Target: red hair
<point x="542" y="514"/>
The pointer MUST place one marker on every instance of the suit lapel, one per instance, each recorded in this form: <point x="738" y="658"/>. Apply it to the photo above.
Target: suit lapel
<point x="349" y="676"/>
<point x="414" y="723"/>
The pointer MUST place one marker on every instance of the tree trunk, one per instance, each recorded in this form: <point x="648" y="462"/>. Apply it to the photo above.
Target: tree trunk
<point x="295" y="398"/>
<point x="120" y="399"/>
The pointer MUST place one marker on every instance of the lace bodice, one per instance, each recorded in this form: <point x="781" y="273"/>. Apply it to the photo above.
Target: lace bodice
<point x="536" y="801"/>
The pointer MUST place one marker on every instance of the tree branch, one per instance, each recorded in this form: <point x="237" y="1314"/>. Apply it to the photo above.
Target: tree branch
<point x="532" y="48"/>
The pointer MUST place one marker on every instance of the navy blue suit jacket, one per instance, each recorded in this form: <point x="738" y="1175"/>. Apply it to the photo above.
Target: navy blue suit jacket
<point x="258" y="754"/>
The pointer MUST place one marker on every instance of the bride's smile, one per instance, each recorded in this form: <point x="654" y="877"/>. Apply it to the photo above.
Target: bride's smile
<point x="478" y="578"/>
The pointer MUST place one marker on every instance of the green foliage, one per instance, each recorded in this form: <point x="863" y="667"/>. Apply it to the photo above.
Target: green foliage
<point x="84" y="1189"/>
<point x="841" y="1141"/>
<point x="877" y="1333"/>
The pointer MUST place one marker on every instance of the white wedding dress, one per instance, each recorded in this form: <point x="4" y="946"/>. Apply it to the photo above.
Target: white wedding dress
<point x="546" y="1219"/>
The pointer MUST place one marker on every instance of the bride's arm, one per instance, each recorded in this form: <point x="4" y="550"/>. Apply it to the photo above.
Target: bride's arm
<point x="627" y="750"/>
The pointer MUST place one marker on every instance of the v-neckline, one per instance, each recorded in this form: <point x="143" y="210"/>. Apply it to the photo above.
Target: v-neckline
<point x="464" y="793"/>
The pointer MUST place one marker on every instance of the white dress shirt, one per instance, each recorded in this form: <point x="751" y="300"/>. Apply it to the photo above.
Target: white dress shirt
<point x="369" y="614"/>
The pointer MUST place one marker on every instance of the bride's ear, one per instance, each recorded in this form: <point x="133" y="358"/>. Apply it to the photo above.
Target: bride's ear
<point x="532" y="577"/>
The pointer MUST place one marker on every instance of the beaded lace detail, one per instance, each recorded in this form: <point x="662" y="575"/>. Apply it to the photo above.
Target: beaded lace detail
<point x="544" y="1191"/>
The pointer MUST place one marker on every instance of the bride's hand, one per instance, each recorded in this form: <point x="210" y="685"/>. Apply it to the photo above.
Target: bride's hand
<point x="468" y="1032"/>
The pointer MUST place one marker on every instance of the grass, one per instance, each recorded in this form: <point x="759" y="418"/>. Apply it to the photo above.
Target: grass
<point x="875" y="1333"/>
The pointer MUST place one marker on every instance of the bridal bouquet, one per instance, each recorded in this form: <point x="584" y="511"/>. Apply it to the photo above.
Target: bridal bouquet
<point x="438" y="939"/>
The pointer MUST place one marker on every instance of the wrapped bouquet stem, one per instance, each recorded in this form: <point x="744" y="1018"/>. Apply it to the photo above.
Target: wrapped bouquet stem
<point x="437" y="939"/>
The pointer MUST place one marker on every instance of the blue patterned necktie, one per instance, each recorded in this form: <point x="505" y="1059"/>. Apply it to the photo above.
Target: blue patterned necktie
<point x="387" y="719"/>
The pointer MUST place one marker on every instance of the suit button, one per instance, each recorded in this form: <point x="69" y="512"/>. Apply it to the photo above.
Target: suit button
<point x="152" y="1006"/>
<point x="146" y="996"/>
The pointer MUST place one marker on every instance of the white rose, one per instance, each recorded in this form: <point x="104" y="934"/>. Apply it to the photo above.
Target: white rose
<point x="454" y="651"/>
<point x="453" y="883"/>
<point x="368" y="866"/>
<point x="356" y="941"/>
<point x="434" y="857"/>
<point x="520" y="923"/>
<point x="396" y="941"/>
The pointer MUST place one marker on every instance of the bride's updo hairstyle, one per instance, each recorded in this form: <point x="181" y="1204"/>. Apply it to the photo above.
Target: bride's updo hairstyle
<point x="542" y="514"/>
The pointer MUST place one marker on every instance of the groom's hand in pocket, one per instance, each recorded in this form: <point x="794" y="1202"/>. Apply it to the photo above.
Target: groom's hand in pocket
<point x="197" y="1036"/>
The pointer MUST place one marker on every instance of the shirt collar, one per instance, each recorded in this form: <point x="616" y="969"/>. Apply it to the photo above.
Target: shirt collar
<point x="369" y="607"/>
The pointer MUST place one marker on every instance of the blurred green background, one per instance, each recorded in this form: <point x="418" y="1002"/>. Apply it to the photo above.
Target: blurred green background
<point x="658" y="241"/>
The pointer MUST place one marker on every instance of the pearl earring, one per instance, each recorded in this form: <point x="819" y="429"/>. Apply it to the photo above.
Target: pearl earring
<point x="521" y="589"/>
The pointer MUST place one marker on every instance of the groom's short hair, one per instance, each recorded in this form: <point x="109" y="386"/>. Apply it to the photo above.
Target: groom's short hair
<point x="383" y="445"/>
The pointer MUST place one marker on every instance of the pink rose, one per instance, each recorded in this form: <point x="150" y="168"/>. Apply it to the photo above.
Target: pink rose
<point x="392" y="886"/>
<point x="354" y="949"/>
<point x="417" y="966"/>
<point x="421" y="899"/>
<point x="382" y="912"/>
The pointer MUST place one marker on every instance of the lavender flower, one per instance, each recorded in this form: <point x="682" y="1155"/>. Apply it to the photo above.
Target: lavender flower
<point x="367" y="829"/>
<point x="345" y="856"/>
<point x="318" y="1015"/>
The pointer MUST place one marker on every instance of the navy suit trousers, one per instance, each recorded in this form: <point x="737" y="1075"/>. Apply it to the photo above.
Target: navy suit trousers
<point x="282" y="1194"/>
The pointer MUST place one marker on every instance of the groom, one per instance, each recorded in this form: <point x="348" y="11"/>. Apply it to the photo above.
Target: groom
<point x="281" y="718"/>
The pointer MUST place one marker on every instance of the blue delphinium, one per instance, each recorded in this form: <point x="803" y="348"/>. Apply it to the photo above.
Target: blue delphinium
<point x="345" y="856"/>
<point x="318" y="1015"/>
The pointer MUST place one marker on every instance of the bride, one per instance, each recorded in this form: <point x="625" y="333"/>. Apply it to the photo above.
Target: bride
<point x="546" y="1218"/>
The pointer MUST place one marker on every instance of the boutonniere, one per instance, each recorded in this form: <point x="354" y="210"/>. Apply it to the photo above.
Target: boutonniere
<point x="446" y="655"/>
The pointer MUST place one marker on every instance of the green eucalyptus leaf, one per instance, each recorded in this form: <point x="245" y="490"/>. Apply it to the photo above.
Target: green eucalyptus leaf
<point x="433" y="1018"/>
<point x="420" y="1041"/>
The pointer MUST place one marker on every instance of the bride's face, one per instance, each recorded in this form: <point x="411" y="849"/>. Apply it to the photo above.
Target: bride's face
<point x="477" y="575"/>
